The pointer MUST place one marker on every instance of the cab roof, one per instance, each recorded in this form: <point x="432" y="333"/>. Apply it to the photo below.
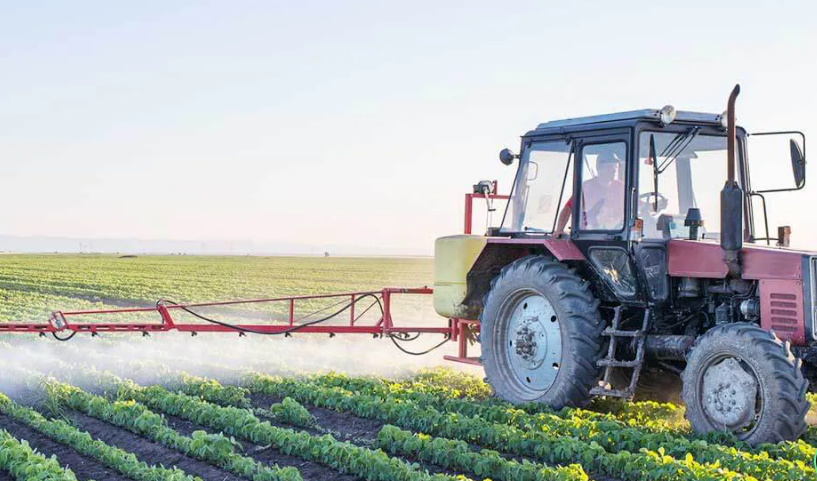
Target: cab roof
<point x="621" y="117"/>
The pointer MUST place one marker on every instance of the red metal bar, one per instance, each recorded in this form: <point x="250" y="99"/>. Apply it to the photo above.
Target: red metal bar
<point x="384" y="325"/>
<point x="469" y="207"/>
<point x="464" y="327"/>
<point x="352" y="312"/>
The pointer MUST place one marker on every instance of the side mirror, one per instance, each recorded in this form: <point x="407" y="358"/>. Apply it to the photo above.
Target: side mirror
<point x="798" y="163"/>
<point x="506" y="156"/>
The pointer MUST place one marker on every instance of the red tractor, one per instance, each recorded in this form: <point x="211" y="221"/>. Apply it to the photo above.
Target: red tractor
<point x="618" y="270"/>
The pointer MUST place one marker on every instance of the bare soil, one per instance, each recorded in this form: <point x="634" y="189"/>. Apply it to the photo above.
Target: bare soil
<point x="310" y="471"/>
<point x="85" y="468"/>
<point x="348" y="427"/>
<point x="149" y="451"/>
<point x="345" y="427"/>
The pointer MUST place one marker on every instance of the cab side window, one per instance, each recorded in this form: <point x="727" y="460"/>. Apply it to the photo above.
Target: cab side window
<point x="603" y="192"/>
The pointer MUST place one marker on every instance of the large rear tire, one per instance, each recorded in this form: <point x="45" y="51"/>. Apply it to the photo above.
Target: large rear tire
<point x="541" y="334"/>
<point x="743" y="379"/>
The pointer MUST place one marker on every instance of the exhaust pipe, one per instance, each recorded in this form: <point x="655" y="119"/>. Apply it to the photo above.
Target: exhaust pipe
<point x="731" y="198"/>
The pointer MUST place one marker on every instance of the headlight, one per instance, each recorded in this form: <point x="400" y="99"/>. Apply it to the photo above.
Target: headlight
<point x="667" y="114"/>
<point x="724" y="120"/>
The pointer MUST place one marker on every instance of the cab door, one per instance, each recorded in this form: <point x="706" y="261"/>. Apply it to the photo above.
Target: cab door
<point x="603" y="209"/>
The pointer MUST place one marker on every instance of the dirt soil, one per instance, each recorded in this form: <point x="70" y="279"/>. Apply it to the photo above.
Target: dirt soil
<point x="85" y="468"/>
<point x="149" y="451"/>
<point x="345" y="427"/>
<point x="310" y="471"/>
<point x="348" y="427"/>
<point x="5" y="476"/>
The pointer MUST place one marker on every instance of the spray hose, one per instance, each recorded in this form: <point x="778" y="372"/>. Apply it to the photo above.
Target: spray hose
<point x="396" y="339"/>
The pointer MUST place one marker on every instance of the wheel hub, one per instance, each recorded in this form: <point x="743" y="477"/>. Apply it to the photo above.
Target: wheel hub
<point x="534" y="342"/>
<point x="528" y="337"/>
<point x="729" y="394"/>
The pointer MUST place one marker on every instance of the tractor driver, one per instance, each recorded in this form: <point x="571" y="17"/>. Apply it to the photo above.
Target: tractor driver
<point x="602" y="196"/>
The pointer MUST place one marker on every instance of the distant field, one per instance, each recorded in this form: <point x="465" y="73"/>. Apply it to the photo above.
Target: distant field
<point x="31" y="286"/>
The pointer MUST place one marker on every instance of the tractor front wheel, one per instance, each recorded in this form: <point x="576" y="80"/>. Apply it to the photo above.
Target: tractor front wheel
<point x="743" y="379"/>
<point x="541" y="334"/>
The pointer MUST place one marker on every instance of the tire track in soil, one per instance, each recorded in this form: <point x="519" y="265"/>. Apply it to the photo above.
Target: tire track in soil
<point x="84" y="468"/>
<point x="353" y="429"/>
<point x="147" y="450"/>
<point x="310" y="471"/>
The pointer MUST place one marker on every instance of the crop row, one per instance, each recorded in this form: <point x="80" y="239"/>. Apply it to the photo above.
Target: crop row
<point x="212" y="448"/>
<point x="343" y="456"/>
<point x="607" y="431"/>
<point x="435" y="389"/>
<point x="22" y="462"/>
<point x="455" y="454"/>
<point x="551" y="449"/>
<point x="369" y="464"/>
<point x="82" y="442"/>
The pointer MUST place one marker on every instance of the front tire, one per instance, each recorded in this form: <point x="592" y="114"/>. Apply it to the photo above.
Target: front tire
<point x="541" y="334"/>
<point x="743" y="379"/>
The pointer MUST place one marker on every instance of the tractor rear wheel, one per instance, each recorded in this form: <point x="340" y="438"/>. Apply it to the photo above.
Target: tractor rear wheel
<point x="743" y="379"/>
<point x="541" y="334"/>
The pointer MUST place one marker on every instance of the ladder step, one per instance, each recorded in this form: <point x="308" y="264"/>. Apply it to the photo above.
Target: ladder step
<point x="616" y="363"/>
<point x="619" y="333"/>
<point x="622" y="393"/>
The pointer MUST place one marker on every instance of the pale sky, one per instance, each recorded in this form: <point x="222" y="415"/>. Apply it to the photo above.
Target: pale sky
<point x="355" y="123"/>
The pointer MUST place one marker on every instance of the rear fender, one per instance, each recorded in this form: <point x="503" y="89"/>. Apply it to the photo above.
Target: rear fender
<point x="498" y="253"/>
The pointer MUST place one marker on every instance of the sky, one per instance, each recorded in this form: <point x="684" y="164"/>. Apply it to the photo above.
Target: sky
<point x="353" y="123"/>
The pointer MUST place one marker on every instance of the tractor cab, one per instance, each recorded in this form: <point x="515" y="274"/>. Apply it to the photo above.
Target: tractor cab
<point x="632" y="176"/>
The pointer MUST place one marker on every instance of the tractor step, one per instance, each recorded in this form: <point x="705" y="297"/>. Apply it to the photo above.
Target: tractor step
<point x="619" y="333"/>
<point x="615" y="363"/>
<point x="601" y="391"/>
<point x="615" y="333"/>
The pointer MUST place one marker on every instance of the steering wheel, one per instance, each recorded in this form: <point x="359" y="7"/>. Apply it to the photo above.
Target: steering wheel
<point x="646" y="202"/>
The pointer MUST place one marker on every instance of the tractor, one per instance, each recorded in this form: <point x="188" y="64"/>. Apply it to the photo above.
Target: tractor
<point x="620" y="269"/>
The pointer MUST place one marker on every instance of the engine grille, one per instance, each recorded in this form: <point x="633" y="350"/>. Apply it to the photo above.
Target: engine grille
<point x="782" y="309"/>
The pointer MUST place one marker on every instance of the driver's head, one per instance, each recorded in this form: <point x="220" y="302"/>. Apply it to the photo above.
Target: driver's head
<point x="607" y="165"/>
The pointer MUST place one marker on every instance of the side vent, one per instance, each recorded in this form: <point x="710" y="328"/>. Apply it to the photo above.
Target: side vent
<point x="781" y="309"/>
<point x="784" y="311"/>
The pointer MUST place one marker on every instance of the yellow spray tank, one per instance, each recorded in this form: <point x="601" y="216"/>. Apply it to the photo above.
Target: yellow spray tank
<point x="453" y="258"/>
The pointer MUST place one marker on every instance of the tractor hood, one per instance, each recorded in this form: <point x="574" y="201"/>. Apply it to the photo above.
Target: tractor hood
<point x="704" y="259"/>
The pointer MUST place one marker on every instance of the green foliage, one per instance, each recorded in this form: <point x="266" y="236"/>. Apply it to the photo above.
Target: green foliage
<point x="210" y="390"/>
<point x="290" y="411"/>
<point x="788" y="459"/>
<point x="458" y="455"/>
<point x="549" y="447"/>
<point x="22" y="462"/>
<point x="111" y="456"/>
<point x="343" y="456"/>
<point x="212" y="448"/>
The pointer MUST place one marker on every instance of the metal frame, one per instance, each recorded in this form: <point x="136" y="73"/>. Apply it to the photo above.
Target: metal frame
<point x="469" y="205"/>
<point x="61" y="321"/>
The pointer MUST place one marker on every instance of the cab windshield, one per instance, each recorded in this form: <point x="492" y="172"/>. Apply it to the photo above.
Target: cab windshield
<point x="689" y="171"/>
<point x="543" y="182"/>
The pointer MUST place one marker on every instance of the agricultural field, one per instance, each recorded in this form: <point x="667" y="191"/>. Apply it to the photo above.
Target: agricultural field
<point x="224" y="407"/>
